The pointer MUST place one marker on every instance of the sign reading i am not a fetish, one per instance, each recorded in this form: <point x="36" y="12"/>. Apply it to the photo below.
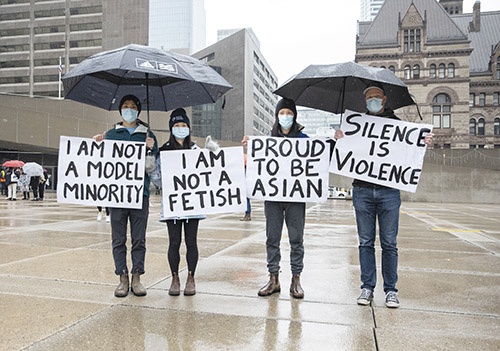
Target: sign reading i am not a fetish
<point x="199" y="181"/>
<point x="287" y="169"/>
<point x="380" y="150"/>
<point x="109" y="173"/>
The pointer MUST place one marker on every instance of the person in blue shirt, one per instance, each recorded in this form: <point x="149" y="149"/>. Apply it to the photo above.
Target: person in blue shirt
<point x="130" y="129"/>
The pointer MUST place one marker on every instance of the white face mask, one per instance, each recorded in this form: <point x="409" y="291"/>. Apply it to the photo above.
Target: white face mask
<point x="374" y="105"/>
<point x="180" y="133"/>
<point x="129" y="115"/>
<point x="285" y="121"/>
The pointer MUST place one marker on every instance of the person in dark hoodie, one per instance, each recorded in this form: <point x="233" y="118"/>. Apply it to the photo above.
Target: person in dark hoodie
<point x="277" y="212"/>
<point x="374" y="202"/>
<point x="130" y="129"/>
<point x="180" y="139"/>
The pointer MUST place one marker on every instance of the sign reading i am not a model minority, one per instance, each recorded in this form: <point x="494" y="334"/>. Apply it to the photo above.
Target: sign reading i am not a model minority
<point x="108" y="173"/>
<point x="287" y="169"/>
<point x="199" y="181"/>
<point x="380" y="150"/>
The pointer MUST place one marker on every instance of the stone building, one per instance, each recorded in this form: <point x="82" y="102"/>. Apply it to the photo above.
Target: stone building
<point x="449" y="60"/>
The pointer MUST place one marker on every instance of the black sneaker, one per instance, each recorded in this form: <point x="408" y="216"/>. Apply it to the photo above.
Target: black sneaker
<point x="391" y="299"/>
<point x="366" y="297"/>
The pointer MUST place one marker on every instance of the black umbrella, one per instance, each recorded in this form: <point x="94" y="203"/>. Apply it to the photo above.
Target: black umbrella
<point x="338" y="87"/>
<point x="162" y="80"/>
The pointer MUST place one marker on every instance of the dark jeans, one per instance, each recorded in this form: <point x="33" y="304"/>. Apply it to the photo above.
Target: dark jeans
<point x="294" y="214"/>
<point x="138" y="219"/>
<point x="370" y="205"/>
<point x="174" y="243"/>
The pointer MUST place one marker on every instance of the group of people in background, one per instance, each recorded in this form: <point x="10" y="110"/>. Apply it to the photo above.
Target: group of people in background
<point x="13" y="178"/>
<point x="373" y="204"/>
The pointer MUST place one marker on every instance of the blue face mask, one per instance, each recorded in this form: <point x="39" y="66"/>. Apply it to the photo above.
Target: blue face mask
<point x="180" y="133"/>
<point x="129" y="115"/>
<point x="374" y="105"/>
<point x="285" y="121"/>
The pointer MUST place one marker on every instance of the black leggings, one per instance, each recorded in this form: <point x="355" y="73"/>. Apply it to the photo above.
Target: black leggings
<point x="190" y="237"/>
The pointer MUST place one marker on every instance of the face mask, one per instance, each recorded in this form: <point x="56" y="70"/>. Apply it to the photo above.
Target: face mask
<point x="285" y="121"/>
<point x="374" y="105"/>
<point x="180" y="132"/>
<point x="129" y="115"/>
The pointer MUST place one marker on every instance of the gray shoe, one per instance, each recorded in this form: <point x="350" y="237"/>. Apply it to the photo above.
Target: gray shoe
<point x="391" y="299"/>
<point x="122" y="288"/>
<point x="366" y="297"/>
<point x="137" y="288"/>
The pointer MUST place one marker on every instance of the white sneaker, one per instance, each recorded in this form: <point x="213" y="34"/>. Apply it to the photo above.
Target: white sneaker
<point x="108" y="219"/>
<point x="99" y="216"/>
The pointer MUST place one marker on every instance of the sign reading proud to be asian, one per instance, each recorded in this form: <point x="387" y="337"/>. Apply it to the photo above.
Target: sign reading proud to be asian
<point x="287" y="169"/>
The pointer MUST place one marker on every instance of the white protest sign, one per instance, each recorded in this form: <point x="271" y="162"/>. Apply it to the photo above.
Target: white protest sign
<point x="380" y="150"/>
<point x="198" y="182"/>
<point x="108" y="173"/>
<point x="287" y="169"/>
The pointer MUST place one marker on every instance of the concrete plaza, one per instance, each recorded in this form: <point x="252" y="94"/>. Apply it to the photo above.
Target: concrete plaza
<point x="57" y="281"/>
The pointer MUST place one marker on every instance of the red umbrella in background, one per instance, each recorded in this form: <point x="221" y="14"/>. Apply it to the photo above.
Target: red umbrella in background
<point x="13" y="164"/>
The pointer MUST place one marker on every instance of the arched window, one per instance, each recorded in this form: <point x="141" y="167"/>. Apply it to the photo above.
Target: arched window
<point x="441" y="70"/>
<point x="472" y="126"/>
<point x="382" y="66"/>
<point x="432" y="71"/>
<point x="480" y="126"/>
<point x="497" y="75"/>
<point x="407" y="72"/>
<point x="496" y="126"/>
<point x="392" y="69"/>
<point x="451" y="70"/>
<point x="416" y="72"/>
<point x="441" y="111"/>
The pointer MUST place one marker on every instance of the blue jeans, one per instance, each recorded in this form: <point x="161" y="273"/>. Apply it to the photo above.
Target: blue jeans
<point x="370" y="204"/>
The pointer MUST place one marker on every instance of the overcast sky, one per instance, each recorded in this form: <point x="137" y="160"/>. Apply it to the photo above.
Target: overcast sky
<point x="296" y="33"/>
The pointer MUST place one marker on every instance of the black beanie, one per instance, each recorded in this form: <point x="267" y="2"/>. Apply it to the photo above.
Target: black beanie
<point x="134" y="98"/>
<point x="178" y="115"/>
<point x="286" y="103"/>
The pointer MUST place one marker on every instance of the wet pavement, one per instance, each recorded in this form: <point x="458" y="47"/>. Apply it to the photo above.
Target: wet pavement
<point x="57" y="281"/>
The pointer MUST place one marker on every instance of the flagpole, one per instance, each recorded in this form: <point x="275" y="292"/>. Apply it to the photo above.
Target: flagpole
<point x="60" y="74"/>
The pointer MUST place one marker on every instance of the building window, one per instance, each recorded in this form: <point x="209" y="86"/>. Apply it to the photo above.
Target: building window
<point x="441" y="111"/>
<point x="441" y="70"/>
<point x="472" y="99"/>
<point x="392" y="69"/>
<point x="480" y="126"/>
<point x="497" y="75"/>
<point x="482" y="99"/>
<point x="412" y="40"/>
<point x="496" y="126"/>
<point x="496" y="97"/>
<point x="416" y="72"/>
<point x="451" y="70"/>
<point x="472" y="126"/>
<point x="407" y="72"/>
<point x="432" y="71"/>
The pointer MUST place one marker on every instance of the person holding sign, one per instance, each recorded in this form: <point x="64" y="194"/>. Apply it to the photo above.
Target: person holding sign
<point x="374" y="202"/>
<point x="130" y="129"/>
<point x="180" y="139"/>
<point x="292" y="213"/>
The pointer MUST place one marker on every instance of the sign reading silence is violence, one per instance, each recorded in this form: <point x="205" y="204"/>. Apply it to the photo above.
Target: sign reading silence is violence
<point x="380" y="150"/>
<point x="287" y="169"/>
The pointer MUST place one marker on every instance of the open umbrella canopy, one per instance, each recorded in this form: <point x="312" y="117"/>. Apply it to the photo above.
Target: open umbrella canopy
<point x="32" y="169"/>
<point x="13" y="164"/>
<point x="161" y="80"/>
<point x="338" y="87"/>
